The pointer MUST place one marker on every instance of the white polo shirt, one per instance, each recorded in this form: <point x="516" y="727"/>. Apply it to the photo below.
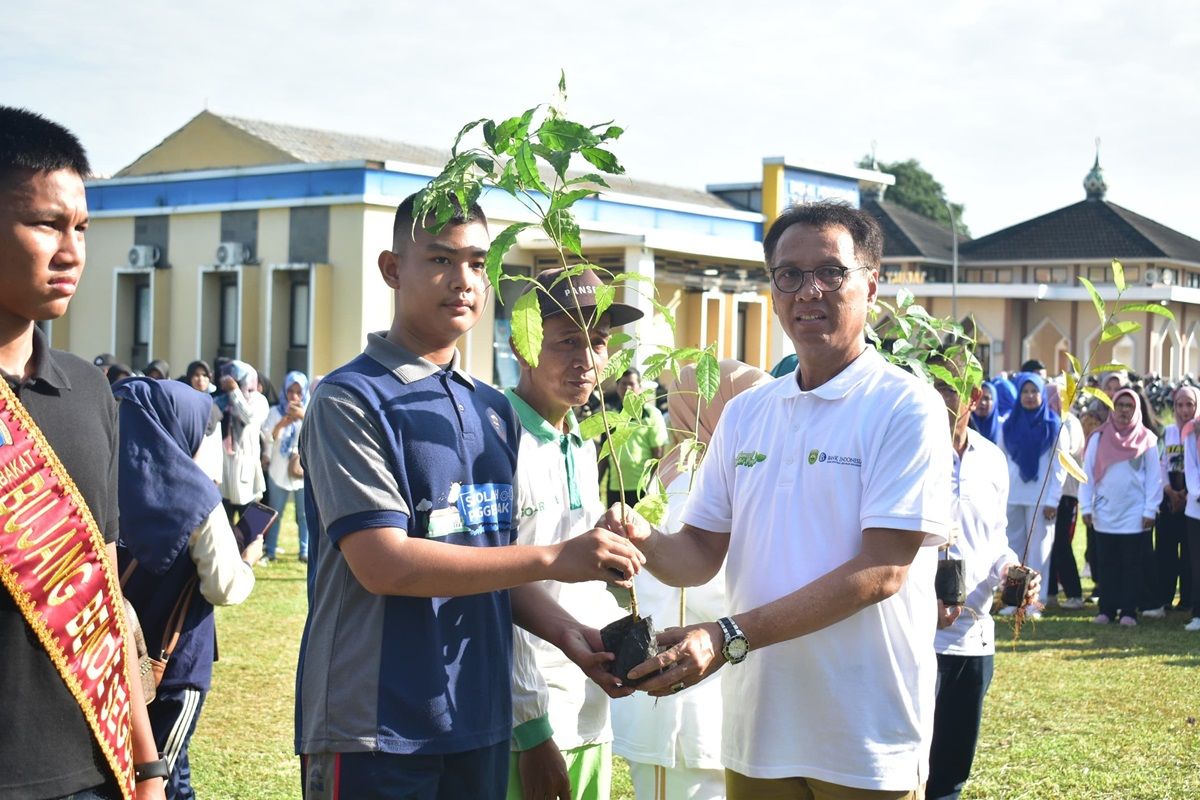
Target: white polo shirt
<point x="796" y="477"/>
<point x="558" y="498"/>
<point x="1129" y="491"/>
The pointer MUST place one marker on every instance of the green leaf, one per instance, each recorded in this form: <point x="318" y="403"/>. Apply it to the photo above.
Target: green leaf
<point x="513" y="131"/>
<point x="489" y="134"/>
<point x="1118" y="275"/>
<point x="508" y="180"/>
<point x="618" y="340"/>
<point x="568" y="199"/>
<point x="1075" y="368"/>
<point x="562" y="134"/>
<point x="590" y="177"/>
<point x="646" y="476"/>
<point x="527" y="168"/>
<point x="662" y="309"/>
<point x="605" y="295"/>
<point x="904" y="298"/>
<point x="602" y="160"/>
<point x="653" y="508"/>
<point x="942" y="374"/>
<point x="654" y="366"/>
<point x="1096" y="301"/>
<point x="561" y="227"/>
<point x="1149" y="308"/>
<point x="635" y="403"/>
<point x="1113" y="367"/>
<point x="1070" y="464"/>
<point x="486" y="164"/>
<point x="527" y="327"/>
<point x="1118" y="329"/>
<point x="1099" y="394"/>
<point x="617" y="364"/>
<point x="613" y="132"/>
<point x="494" y="263"/>
<point x="591" y="427"/>
<point x="465" y="130"/>
<point x="708" y="376"/>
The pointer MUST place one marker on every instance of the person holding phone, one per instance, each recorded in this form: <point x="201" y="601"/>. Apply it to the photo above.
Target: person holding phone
<point x="176" y="547"/>
<point x="285" y="478"/>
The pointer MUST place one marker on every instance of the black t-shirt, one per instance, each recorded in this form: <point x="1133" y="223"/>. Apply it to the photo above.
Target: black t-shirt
<point x="46" y="747"/>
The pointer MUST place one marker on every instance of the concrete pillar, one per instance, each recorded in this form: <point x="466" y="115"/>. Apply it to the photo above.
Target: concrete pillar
<point x="640" y="260"/>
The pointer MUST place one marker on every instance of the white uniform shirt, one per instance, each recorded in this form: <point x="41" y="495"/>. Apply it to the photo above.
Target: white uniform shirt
<point x="278" y="469"/>
<point x="1029" y="493"/>
<point x="243" y="480"/>
<point x="545" y="680"/>
<point x="1129" y="490"/>
<point x="1191" y="473"/>
<point x="796" y="476"/>
<point x="981" y="505"/>
<point x="683" y="730"/>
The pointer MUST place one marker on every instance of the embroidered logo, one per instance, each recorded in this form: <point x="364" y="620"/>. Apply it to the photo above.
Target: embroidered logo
<point x="749" y="458"/>
<point x="816" y="456"/>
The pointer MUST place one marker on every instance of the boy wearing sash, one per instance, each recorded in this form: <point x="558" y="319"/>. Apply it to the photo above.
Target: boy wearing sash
<point x="72" y="723"/>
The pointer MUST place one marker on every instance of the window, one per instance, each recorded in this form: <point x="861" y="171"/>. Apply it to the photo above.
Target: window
<point x="1004" y="275"/>
<point x="298" y="330"/>
<point x="1169" y="277"/>
<point x="229" y="312"/>
<point x="141" y="315"/>
<point x="987" y="276"/>
<point x="1098" y="274"/>
<point x="1133" y="274"/>
<point x="1050" y="275"/>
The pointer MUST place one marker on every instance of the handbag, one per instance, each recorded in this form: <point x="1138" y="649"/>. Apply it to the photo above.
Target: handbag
<point x="146" y="673"/>
<point x="150" y="668"/>
<point x="295" y="468"/>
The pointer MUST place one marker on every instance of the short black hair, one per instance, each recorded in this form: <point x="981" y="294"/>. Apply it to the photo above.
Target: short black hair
<point x="862" y="227"/>
<point x="403" y="222"/>
<point x="632" y="371"/>
<point x="31" y="143"/>
<point x="1032" y="365"/>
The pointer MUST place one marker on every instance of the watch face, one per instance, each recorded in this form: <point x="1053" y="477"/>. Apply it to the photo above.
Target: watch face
<point x="736" y="649"/>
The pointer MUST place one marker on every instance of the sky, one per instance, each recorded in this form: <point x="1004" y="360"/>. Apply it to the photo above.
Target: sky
<point x="1001" y="101"/>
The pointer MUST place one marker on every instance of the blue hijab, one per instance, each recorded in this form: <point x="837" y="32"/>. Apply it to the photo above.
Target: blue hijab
<point x="1028" y="434"/>
<point x="163" y="493"/>
<point x="287" y="439"/>
<point x="988" y="425"/>
<point x="1006" y="395"/>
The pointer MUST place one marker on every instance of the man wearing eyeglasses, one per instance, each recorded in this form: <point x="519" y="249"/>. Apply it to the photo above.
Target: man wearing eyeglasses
<point x="828" y="491"/>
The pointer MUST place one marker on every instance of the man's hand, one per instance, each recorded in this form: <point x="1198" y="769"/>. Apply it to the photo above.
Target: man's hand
<point x="597" y="555"/>
<point x="1087" y="520"/>
<point x="152" y="789"/>
<point x="585" y="648"/>
<point x="1032" y="588"/>
<point x="228" y="384"/>
<point x="1177" y="499"/>
<point x="693" y="653"/>
<point x="1050" y="512"/>
<point x="1147" y="523"/>
<point x="623" y="520"/>
<point x="543" y="773"/>
<point x="947" y="615"/>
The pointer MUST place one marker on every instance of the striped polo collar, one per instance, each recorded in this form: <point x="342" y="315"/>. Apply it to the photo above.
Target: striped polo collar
<point x="407" y="366"/>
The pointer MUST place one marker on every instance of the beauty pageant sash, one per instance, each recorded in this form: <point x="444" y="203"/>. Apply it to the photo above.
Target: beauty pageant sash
<point x="52" y="563"/>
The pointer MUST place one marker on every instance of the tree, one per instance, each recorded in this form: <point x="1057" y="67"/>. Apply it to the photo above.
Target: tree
<point x="918" y="191"/>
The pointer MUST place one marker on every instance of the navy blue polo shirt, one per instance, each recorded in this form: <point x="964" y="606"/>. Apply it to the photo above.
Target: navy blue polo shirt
<point x="393" y="440"/>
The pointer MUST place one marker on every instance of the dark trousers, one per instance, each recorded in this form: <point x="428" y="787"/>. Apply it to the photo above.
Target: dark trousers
<point x="1172" y="563"/>
<point x="481" y="773"/>
<point x="962" y="683"/>
<point x="1122" y="568"/>
<point x="629" y="498"/>
<point x="1063" y="569"/>
<point x="173" y="716"/>
<point x="1193" y="536"/>
<point x="1091" y="555"/>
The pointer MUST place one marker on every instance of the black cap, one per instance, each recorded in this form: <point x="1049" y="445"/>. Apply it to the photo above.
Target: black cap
<point x="578" y="293"/>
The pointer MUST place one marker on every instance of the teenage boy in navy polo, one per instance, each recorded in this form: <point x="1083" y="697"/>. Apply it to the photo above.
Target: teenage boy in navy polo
<point x="403" y="681"/>
<point x="561" y="732"/>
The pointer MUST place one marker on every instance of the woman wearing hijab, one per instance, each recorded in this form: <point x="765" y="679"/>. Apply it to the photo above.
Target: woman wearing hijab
<point x="284" y="477"/>
<point x="986" y="417"/>
<point x="1064" y="569"/>
<point x="176" y="538"/>
<point x="673" y="744"/>
<point x="1171" y="556"/>
<point x="1006" y="396"/>
<point x="245" y="411"/>
<point x="1120" y="499"/>
<point x="1035" y="478"/>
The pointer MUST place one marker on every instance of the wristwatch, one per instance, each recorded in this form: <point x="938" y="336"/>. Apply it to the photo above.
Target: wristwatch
<point x="736" y="646"/>
<point x="151" y="769"/>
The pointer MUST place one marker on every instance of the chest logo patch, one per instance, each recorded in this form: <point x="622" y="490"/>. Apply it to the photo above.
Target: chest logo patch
<point x="749" y="458"/>
<point x="816" y="456"/>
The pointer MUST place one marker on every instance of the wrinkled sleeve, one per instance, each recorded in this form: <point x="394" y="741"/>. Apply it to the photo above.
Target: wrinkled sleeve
<point x="225" y="580"/>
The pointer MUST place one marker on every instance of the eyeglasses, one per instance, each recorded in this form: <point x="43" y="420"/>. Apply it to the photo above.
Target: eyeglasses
<point x="790" y="280"/>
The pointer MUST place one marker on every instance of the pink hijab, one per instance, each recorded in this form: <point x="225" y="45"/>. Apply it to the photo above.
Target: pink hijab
<point x="1189" y="426"/>
<point x="1121" y="444"/>
<point x="687" y="412"/>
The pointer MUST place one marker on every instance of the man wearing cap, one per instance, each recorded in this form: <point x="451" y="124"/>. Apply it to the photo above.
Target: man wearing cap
<point x="404" y="682"/>
<point x="561" y="732"/>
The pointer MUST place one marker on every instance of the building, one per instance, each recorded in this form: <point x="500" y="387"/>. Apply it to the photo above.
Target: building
<point x="259" y="241"/>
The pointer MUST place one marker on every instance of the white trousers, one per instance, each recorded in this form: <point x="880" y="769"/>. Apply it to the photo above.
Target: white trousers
<point x="652" y="782"/>
<point x="1021" y="519"/>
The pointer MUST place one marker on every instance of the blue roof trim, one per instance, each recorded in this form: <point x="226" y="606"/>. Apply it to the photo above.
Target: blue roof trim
<point x="309" y="184"/>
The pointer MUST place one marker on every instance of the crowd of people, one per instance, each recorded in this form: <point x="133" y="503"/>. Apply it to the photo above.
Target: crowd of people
<point x="808" y="656"/>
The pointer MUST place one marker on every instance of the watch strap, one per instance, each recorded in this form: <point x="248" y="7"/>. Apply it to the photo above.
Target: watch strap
<point x="151" y="769"/>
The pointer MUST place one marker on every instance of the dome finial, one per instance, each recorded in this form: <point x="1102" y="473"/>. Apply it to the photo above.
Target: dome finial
<point x="1094" y="183"/>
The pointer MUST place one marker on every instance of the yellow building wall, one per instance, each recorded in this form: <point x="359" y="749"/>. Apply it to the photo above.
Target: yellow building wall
<point x="360" y="299"/>
<point x="207" y="142"/>
<point x="90" y="323"/>
<point x="193" y="241"/>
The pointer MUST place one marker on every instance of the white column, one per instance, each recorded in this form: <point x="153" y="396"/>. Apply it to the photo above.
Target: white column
<point x="640" y="260"/>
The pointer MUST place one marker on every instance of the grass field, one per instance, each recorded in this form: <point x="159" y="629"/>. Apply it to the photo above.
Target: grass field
<point x="1076" y="711"/>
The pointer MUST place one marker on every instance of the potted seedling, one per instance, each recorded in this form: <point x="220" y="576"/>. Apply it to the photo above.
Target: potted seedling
<point x="529" y="157"/>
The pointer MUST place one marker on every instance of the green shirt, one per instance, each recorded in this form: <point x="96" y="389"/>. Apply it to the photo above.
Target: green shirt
<point x="647" y="437"/>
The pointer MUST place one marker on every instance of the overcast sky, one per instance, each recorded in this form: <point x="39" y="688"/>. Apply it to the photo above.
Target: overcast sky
<point x="1000" y="100"/>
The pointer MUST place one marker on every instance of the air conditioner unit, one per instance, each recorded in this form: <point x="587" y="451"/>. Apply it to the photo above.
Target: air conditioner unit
<point x="143" y="256"/>
<point x="231" y="254"/>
